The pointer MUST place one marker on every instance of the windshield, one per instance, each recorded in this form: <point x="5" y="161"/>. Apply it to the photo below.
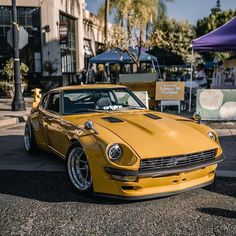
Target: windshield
<point x="99" y="100"/>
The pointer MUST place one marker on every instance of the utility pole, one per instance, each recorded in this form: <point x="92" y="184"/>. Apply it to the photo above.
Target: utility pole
<point x="106" y="18"/>
<point x="18" y="103"/>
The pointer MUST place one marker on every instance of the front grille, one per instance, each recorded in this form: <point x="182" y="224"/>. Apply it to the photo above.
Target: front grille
<point x="177" y="161"/>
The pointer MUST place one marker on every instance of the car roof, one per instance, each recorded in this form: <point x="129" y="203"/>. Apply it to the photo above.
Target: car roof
<point x="88" y="86"/>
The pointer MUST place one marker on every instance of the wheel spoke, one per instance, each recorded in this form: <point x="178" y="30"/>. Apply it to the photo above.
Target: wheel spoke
<point x="86" y="176"/>
<point x="27" y="137"/>
<point x="79" y="169"/>
<point x="85" y="162"/>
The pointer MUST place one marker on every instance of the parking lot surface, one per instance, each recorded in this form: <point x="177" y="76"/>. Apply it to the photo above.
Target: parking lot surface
<point x="44" y="203"/>
<point x="36" y="198"/>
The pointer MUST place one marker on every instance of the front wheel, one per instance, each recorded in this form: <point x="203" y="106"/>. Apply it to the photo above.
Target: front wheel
<point x="78" y="169"/>
<point x="29" y="139"/>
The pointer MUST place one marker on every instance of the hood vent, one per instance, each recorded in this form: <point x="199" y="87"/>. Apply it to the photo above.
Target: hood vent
<point x="152" y="116"/>
<point x="112" y="119"/>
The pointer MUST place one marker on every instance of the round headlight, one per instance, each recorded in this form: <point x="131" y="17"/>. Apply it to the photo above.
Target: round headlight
<point x="114" y="152"/>
<point x="212" y="136"/>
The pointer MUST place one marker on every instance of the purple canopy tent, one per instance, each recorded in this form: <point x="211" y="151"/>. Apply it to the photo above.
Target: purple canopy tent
<point x="221" y="39"/>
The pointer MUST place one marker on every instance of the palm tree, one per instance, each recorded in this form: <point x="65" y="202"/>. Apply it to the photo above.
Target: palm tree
<point x="107" y="3"/>
<point x="119" y="7"/>
<point x="150" y="12"/>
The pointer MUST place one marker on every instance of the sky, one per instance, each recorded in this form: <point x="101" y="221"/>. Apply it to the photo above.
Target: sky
<point x="190" y="10"/>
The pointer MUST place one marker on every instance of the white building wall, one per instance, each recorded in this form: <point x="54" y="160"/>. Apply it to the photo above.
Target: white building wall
<point x="93" y="29"/>
<point x="50" y="10"/>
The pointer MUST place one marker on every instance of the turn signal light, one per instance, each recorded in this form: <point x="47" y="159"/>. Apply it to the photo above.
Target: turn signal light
<point x="125" y="178"/>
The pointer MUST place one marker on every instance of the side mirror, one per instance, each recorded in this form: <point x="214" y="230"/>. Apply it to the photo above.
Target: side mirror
<point x="89" y="126"/>
<point x="197" y="117"/>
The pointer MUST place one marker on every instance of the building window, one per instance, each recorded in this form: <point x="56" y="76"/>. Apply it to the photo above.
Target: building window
<point x="29" y="18"/>
<point x="99" y="47"/>
<point x="88" y="52"/>
<point x="68" y="50"/>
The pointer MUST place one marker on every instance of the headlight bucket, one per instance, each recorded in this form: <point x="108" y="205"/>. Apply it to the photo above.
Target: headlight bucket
<point x="212" y="136"/>
<point x="114" y="152"/>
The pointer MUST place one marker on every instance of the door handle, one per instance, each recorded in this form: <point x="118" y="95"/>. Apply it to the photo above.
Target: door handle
<point x="49" y="119"/>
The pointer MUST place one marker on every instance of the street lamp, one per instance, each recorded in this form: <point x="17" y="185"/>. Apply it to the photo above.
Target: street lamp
<point x="18" y="103"/>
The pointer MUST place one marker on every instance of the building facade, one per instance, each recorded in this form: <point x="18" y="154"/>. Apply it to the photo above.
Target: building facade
<point x="62" y="37"/>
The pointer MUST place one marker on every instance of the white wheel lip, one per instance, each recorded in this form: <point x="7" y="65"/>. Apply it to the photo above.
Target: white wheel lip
<point x="27" y="137"/>
<point x="74" y="172"/>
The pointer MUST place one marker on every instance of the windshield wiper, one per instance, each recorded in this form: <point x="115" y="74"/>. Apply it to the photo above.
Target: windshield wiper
<point x="136" y="108"/>
<point x="94" y="110"/>
<point x="88" y="110"/>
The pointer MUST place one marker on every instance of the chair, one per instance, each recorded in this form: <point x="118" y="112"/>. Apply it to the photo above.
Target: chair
<point x="104" y="102"/>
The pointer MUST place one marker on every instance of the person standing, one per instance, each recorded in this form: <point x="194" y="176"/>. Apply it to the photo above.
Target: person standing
<point x="200" y="77"/>
<point x="91" y="75"/>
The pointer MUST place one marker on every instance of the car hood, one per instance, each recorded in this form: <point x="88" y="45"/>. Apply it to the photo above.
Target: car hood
<point x="154" y="135"/>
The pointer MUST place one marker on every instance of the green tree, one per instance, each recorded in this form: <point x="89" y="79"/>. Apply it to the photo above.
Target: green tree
<point x="147" y="10"/>
<point x="8" y="70"/>
<point x="217" y="8"/>
<point x="176" y="36"/>
<point x="120" y="39"/>
<point x="216" y="19"/>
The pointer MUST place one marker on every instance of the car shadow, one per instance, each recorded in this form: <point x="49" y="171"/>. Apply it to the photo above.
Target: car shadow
<point x="219" y="212"/>
<point x="15" y="157"/>
<point x="222" y="185"/>
<point x="47" y="187"/>
<point x="56" y="187"/>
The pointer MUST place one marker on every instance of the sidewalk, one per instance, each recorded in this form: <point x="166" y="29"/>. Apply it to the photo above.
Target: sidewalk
<point x="9" y="117"/>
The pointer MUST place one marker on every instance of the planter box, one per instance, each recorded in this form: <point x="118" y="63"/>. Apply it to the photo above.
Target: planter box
<point x="10" y="89"/>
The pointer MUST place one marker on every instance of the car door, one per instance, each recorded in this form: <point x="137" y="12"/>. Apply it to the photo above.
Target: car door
<point x="42" y="113"/>
<point x="52" y="124"/>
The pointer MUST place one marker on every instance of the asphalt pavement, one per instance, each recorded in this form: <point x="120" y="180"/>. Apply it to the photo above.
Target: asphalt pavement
<point x="36" y="198"/>
<point x="44" y="203"/>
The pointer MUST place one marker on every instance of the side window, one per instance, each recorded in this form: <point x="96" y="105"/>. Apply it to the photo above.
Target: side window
<point x="54" y="102"/>
<point x="45" y="102"/>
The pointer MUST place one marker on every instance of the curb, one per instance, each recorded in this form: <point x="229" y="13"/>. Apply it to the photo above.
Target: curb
<point x="226" y="173"/>
<point x="9" y="121"/>
<point x="13" y="121"/>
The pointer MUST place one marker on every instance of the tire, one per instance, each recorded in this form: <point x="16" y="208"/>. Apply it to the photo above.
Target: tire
<point x="29" y="139"/>
<point x="78" y="170"/>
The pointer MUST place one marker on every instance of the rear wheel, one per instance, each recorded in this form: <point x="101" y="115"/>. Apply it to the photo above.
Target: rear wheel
<point x="78" y="169"/>
<point x="29" y="139"/>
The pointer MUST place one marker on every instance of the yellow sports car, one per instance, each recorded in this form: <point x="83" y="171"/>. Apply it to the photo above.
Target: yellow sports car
<point x="114" y="146"/>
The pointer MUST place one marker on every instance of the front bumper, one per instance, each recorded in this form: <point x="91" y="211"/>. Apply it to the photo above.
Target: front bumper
<point x="150" y="196"/>
<point x="155" y="183"/>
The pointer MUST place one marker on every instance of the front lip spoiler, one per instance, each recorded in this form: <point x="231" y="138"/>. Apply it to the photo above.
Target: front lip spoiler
<point x="163" y="172"/>
<point x="158" y="195"/>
